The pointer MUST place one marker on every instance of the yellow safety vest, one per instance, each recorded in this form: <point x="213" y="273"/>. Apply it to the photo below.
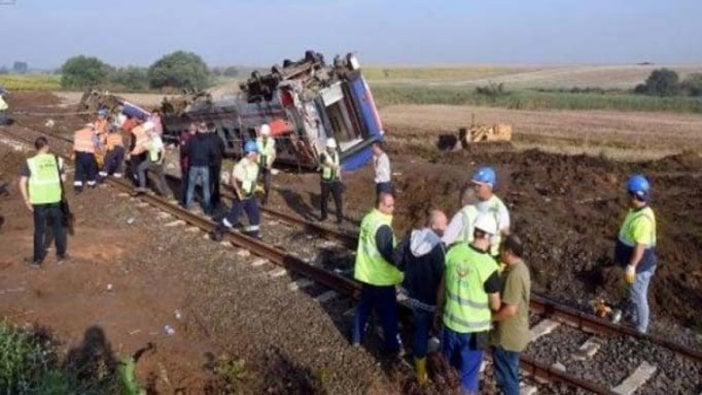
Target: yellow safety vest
<point x="328" y="172"/>
<point x="44" y="182"/>
<point x="3" y="104"/>
<point x="246" y="172"/>
<point x="371" y="268"/>
<point x="266" y="151"/>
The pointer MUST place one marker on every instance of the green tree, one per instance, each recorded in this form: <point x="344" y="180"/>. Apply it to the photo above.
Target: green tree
<point x="661" y="82"/>
<point x="692" y="85"/>
<point x="131" y="77"/>
<point x="81" y="71"/>
<point x="180" y="69"/>
<point x="231" y="72"/>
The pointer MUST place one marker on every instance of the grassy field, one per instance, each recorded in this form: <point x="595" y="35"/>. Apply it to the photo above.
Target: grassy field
<point x="25" y="82"/>
<point x="395" y="74"/>
<point x="527" y="99"/>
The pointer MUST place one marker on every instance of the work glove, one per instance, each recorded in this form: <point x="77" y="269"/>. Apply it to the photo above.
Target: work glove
<point x="630" y="274"/>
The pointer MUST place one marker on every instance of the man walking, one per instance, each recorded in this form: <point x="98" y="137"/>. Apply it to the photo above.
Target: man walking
<point x="243" y="180"/>
<point x="375" y="270"/>
<point x="217" y="152"/>
<point x="266" y="157"/>
<point x="381" y="165"/>
<point x="200" y="156"/>
<point x="636" y="248"/>
<point x="40" y="185"/>
<point x="511" y="335"/>
<point x="460" y="229"/>
<point x="421" y="256"/>
<point x="469" y="292"/>
<point x="331" y="180"/>
<point x="484" y="181"/>
<point x="84" y="145"/>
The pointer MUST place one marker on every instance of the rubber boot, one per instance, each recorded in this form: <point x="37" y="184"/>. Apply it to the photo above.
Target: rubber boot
<point x="420" y="368"/>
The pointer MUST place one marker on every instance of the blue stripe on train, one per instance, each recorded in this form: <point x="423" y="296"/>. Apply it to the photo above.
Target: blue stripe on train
<point x="357" y="160"/>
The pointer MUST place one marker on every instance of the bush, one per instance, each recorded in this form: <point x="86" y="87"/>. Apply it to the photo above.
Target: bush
<point x="131" y="77"/>
<point x="492" y="90"/>
<point x="661" y="82"/>
<point x="81" y="72"/>
<point x="692" y="86"/>
<point x="183" y="70"/>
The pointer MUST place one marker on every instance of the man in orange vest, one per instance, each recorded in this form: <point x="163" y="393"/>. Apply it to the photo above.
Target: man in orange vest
<point x="137" y="148"/>
<point x="84" y="144"/>
<point x="114" y="155"/>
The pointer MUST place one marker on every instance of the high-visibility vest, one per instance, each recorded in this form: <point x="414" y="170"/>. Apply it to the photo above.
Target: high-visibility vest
<point x="114" y="140"/>
<point x="44" y="182"/>
<point x="329" y="173"/>
<point x="492" y="206"/>
<point x="371" y="268"/>
<point x="101" y="126"/>
<point x="630" y="235"/>
<point x="142" y="140"/>
<point x="3" y="104"/>
<point x="83" y="140"/>
<point x="266" y="151"/>
<point x="246" y="172"/>
<point x="469" y="214"/>
<point x="467" y="307"/>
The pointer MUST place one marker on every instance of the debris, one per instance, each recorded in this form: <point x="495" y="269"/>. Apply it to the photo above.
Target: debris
<point x="177" y="314"/>
<point x="558" y="366"/>
<point x="168" y="330"/>
<point x="110" y="287"/>
<point x="49" y="123"/>
<point x="131" y="220"/>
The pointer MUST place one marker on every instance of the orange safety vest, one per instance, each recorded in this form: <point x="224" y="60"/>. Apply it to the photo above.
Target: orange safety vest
<point x="142" y="140"/>
<point x="114" y="140"/>
<point x="83" y="141"/>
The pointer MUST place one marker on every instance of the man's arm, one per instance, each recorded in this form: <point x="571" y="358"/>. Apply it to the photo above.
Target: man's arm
<point x="440" y="300"/>
<point x="492" y="287"/>
<point x="25" y="194"/>
<point x="384" y="242"/>
<point x="453" y="230"/>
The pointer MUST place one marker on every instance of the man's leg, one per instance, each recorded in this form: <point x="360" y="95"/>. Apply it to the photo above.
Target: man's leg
<point x="363" y="310"/>
<point x="506" y="370"/>
<point x="107" y="166"/>
<point x="184" y="183"/>
<point x="206" y="196"/>
<point x="324" y="198"/>
<point x="338" y="201"/>
<point x="266" y="184"/>
<point x="79" y="175"/>
<point x="471" y="359"/>
<point x="639" y="299"/>
<point x="141" y="171"/>
<point x="118" y="162"/>
<point x="161" y="183"/>
<point x="192" y="180"/>
<point x="229" y="220"/>
<point x="251" y="207"/>
<point x="91" y="165"/>
<point x="59" y="231"/>
<point x="386" y="305"/>
<point x="40" y="215"/>
<point x="422" y="323"/>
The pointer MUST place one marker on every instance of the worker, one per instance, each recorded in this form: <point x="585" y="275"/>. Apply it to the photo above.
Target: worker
<point x="636" y="248"/>
<point x="266" y="148"/>
<point x="4" y="107"/>
<point x="184" y="137"/>
<point x="200" y="157"/>
<point x="375" y="269"/>
<point x="155" y="119"/>
<point x="41" y="187"/>
<point x="460" y="229"/>
<point x="243" y="180"/>
<point x="511" y="334"/>
<point x="215" y="164"/>
<point x="331" y="180"/>
<point x="421" y="256"/>
<point x="84" y="145"/>
<point x="468" y="293"/>
<point x="154" y="164"/>
<point x="381" y="165"/>
<point x="484" y="181"/>
<point x="138" y="146"/>
<point x="101" y="125"/>
<point x="114" y="156"/>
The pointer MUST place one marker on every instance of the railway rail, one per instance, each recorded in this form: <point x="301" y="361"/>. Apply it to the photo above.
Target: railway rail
<point x="549" y="310"/>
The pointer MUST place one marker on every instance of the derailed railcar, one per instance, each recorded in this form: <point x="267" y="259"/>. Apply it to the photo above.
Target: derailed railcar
<point x="304" y="102"/>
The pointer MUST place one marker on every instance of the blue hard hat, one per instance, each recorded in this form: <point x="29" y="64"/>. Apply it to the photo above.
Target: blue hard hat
<point x="250" y="146"/>
<point x="638" y="186"/>
<point x="485" y="175"/>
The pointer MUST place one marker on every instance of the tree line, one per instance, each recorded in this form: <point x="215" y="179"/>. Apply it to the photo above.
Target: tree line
<point x="665" y="82"/>
<point x="175" y="71"/>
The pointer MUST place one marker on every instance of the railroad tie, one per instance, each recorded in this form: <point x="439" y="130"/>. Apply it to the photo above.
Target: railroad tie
<point x="543" y="327"/>
<point x="192" y="229"/>
<point x="258" y="262"/>
<point x="632" y="383"/>
<point x="299" y="284"/>
<point x="142" y="205"/>
<point x="178" y="222"/>
<point x="588" y="349"/>
<point x="327" y="296"/>
<point x="279" y="272"/>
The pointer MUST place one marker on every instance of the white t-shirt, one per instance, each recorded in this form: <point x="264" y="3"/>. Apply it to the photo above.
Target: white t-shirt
<point x="382" y="168"/>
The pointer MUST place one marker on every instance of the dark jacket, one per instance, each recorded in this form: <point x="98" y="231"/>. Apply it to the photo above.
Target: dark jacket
<point x="216" y="146"/>
<point x="421" y="256"/>
<point x="185" y="136"/>
<point x="199" y="151"/>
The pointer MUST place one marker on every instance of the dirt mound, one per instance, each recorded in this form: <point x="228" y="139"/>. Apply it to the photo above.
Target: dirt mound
<point x="31" y="99"/>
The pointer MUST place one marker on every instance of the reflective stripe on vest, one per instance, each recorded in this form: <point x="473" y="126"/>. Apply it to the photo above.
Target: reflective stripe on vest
<point x="44" y="182"/>
<point x="328" y="172"/>
<point x="371" y="268"/>
<point x="627" y="230"/>
<point x="83" y="141"/>
<point x="467" y="306"/>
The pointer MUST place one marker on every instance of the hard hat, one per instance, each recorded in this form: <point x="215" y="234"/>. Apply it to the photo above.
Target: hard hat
<point x="102" y="112"/>
<point x="638" y="185"/>
<point x="148" y="125"/>
<point x="265" y="130"/>
<point x="485" y="175"/>
<point x="250" y="147"/>
<point x="331" y="143"/>
<point x="486" y="222"/>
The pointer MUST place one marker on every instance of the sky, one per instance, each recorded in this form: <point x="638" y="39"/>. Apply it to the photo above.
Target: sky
<point x="45" y="33"/>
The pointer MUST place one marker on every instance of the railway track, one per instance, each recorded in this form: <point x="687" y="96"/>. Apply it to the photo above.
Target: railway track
<point x="555" y="318"/>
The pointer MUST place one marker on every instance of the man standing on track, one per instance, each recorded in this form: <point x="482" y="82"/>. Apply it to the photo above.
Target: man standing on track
<point x="200" y="156"/>
<point x="484" y="181"/>
<point x="331" y="181"/>
<point x="266" y="157"/>
<point x="84" y="145"/>
<point x="636" y="248"/>
<point x="215" y="166"/>
<point x="40" y="185"/>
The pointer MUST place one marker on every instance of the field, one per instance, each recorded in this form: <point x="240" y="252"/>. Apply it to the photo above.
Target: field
<point x="15" y="82"/>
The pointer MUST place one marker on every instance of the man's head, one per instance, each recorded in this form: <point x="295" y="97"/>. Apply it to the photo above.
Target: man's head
<point x="468" y="196"/>
<point x="638" y="189"/>
<point x="331" y="144"/>
<point x="484" y="228"/>
<point x="251" y="149"/>
<point x="377" y="148"/>
<point x="512" y="249"/>
<point x="41" y="144"/>
<point x="192" y="129"/>
<point x="483" y="181"/>
<point x="265" y="130"/>
<point x="386" y="203"/>
<point x="211" y="127"/>
<point x="202" y="127"/>
<point x="437" y="221"/>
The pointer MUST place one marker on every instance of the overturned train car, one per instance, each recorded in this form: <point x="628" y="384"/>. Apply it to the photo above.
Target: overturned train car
<point x="304" y="102"/>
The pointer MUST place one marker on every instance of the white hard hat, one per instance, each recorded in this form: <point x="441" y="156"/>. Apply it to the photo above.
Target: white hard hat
<point x="265" y="130"/>
<point x="148" y="125"/>
<point x="331" y="143"/>
<point x="487" y="223"/>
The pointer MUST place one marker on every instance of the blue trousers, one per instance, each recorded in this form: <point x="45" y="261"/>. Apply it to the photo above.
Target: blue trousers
<point x="506" y="370"/>
<point x="423" y="321"/>
<point x="383" y="300"/>
<point x="462" y="352"/>
<point x="86" y="169"/>
<point x="383" y="187"/>
<point x="113" y="163"/>
<point x="250" y="206"/>
<point x="203" y="174"/>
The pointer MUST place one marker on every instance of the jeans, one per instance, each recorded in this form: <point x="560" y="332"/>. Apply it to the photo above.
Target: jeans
<point x="638" y="295"/>
<point x="506" y="370"/>
<point x="202" y="173"/>
<point x="462" y="352"/>
<point x="184" y="176"/>
<point x="159" y="179"/>
<point x="423" y="321"/>
<point x="250" y="206"/>
<point x="134" y="162"/>
<point x="334" y="188"/>
<point x="383" y="299"/>
<point x="51" y="213"/>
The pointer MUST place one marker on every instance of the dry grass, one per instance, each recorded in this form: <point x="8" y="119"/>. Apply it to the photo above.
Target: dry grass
<point x="24" y="82"/>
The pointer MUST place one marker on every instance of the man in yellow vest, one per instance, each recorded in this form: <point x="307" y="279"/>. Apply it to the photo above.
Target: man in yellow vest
<point x="266" y="157"/>
<point x="376" y="271"/>
<point x="468" y="294"/>
<point x="243" y="180"/>
<point x="484" y="181"/>
<point x="636" y="248"/>
<point x="460" y="229"/>
<point x="331" y="180"/>
<point x="40" y="185"/>
<point x="84" y="145"/>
